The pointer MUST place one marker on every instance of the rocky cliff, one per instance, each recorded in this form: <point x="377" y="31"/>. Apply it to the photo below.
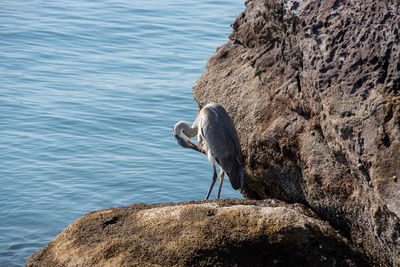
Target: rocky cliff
<point x="313" y="88"/>
<point x="212" y="233"/>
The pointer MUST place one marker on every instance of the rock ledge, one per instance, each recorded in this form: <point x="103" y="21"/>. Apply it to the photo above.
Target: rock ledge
<point x="221" y="233"/>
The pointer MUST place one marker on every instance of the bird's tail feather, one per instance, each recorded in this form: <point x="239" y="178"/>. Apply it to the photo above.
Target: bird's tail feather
<point x="236" y="178"/>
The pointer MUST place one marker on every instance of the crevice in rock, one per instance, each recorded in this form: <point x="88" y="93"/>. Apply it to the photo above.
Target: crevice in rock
<point x="113" y="220"/>
<point x="383" y="72"/>
<point x="386" y="139"/>
<point x="298" y="83"/>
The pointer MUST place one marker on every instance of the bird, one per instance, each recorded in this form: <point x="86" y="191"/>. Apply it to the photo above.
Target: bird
<point x="217" y="138"/>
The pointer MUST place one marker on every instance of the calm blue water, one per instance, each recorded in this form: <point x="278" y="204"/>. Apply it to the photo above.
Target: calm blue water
<point x="89" y="93"/>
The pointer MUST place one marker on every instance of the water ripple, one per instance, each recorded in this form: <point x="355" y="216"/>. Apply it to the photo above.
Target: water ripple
<point x="90" y="93"/>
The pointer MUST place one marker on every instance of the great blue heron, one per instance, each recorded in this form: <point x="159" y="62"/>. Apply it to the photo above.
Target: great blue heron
<point x="218" y="139"/>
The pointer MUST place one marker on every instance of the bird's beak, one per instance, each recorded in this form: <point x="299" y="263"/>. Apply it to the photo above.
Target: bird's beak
<point x="185" y="142"/>
<point x="193" y="145"/>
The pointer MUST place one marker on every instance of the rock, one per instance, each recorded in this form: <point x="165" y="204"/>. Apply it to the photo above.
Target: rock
<point x="313" y="88"/>
<point x="219" y="233"/>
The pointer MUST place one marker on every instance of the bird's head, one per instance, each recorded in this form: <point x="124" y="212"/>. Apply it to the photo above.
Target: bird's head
<point x="181" y="130"/>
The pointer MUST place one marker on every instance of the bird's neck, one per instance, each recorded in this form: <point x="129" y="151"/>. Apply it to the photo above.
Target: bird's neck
<point x="192" y="131"/>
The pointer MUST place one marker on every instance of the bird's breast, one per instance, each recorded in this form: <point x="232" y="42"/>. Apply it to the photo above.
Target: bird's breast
<point x="211" y="157"/>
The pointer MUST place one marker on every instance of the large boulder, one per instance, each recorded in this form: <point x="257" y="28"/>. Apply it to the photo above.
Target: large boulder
<point x="216" y="233"/>
<point x="313" y="88"/>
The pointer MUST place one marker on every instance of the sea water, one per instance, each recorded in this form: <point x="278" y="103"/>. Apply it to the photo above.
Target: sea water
<point x="89" y="94"/>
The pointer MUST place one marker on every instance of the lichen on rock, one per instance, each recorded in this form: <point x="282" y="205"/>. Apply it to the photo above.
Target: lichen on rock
<point x="217" y="233"/>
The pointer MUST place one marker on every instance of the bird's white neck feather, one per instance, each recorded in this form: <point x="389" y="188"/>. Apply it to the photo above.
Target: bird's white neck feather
<point x="184" y="129"/>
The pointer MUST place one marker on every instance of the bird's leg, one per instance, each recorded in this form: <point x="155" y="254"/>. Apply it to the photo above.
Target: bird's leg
<point x="214" y="179"/>
<point x="221" y="179"/>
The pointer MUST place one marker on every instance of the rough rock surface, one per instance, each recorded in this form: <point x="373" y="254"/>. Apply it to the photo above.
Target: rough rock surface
<point x="217" y="233"/>
<point x="313" y="88"/>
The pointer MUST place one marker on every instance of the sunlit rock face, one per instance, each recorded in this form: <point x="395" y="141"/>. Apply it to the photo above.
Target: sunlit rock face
<point x="313" y="88"/>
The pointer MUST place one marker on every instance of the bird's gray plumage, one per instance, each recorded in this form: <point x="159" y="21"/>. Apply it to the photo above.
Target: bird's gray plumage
<point x="216" y="137"/>
<point x="219" y="135"/>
